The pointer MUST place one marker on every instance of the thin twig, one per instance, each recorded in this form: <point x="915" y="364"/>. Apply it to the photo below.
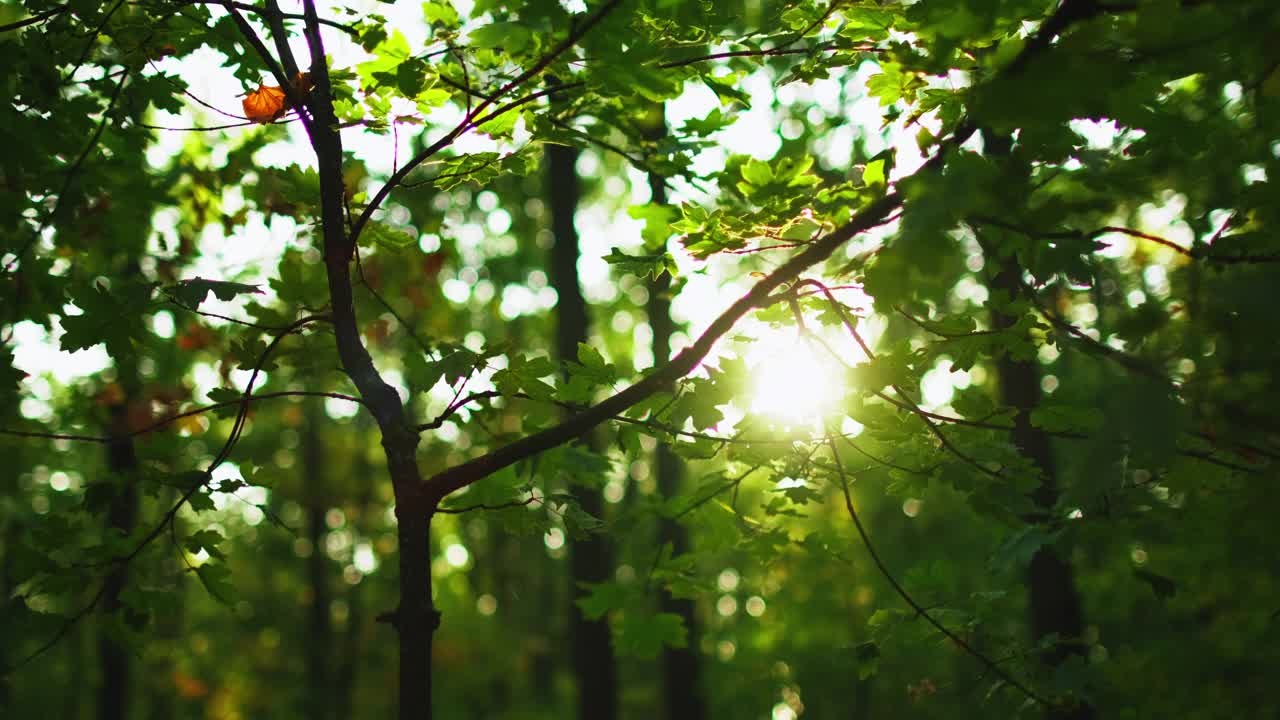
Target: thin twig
<point x="1200" y="253"/>
<point x="408" y="328"/>
<point x="268" y="13"/>
<point x="454" y="407"/>
<point x="285" y="82"/>
<point x="470" y="120"/>
<point x="93" y="39"/>
<point x="483" y="506"/>
<point x="162" y="423"/>
<point x="949" y="336"/>
<point x="228" y="318"/>
<point x="34" y="19"/>
<point x="193" y="96"/>
<point x="913" y="471"/>
<point x="731" y="484"/>
<point x="910" y="405"/>
<point x="910" y="601"/>
<point x="72" y="171"/>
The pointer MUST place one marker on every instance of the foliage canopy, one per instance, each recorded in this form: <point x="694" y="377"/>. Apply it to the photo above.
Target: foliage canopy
<point x="972" y="377"/>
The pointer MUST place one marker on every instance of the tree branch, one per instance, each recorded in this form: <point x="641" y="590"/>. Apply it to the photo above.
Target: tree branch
<point x="282" y="78"/>
<point x="482" y="506"/>
<point x="470" y="121"/>
<point x="279" y="35"/>
<point x="39" y="18"/>
<point x="469" y="472"/>
<point x="268" y="13"/>
<point x="1199" y="253"/>
<point x="164" y="422"/>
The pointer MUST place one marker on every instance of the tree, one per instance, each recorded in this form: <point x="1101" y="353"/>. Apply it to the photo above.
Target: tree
<point x="590" y="560"/>
<point x="1040" y="271"/>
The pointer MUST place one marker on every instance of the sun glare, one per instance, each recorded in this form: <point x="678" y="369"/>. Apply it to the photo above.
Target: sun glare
<point x="794" y="380"/>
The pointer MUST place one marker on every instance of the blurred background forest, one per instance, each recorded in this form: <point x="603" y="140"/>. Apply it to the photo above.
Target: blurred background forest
<point x="707" y="534"/>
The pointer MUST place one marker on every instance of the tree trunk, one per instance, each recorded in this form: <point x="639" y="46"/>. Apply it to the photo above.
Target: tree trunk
<point x="1053" y="601"/>
<point x="589" y="558"/>
<point x="115" y="659"/>
<point x="681" y="671"/>
<point x="319" y="640"/>
<point x="346" y="672"/>
<point x="416" y="619"/>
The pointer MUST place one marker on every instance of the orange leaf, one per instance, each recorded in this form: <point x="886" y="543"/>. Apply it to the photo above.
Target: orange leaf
<point x="264" y="105"/>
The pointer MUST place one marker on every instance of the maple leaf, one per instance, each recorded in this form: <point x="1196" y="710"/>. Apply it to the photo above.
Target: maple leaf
<point x="264" y="105"/>
<point x="269" y="102"/>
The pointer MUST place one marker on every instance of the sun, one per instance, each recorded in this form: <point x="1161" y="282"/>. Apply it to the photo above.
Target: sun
<point x="795" y="381"/>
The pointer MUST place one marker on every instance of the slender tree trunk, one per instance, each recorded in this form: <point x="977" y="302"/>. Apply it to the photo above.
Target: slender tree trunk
<point x="681" y="669"/>
<point x="353" y="638"/>
<point x="589" y="558"/>
<point x="319" y="641"/>
<point x="1054" y="602"/>
<point x="416" y="618"/>
<point x="113" y="658"/>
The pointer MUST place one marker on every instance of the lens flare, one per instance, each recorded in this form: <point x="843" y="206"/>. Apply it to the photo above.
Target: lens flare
<point x="795" y="381"/>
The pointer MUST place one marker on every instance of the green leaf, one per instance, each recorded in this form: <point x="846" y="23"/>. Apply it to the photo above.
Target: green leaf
<point x="657" y="225"/>
<point x="1017" y="551"/>
<point x="206" y="540"/>
<point x="757" y="172"/>
<point x="592" y="360"/>
<point x="500" y="126"/>
<point x="411" y="77"/>
<point x="200" y="501"/>
<point x="641" y="265"/>
<point x="873" y="173"/>
<point x="713" y="122"/>
<point x="584" y="467"/>
<point x="510" y="36"/>
<point x="475" y="167"/>
<point x="644" y="636"/>
<point x="440" y="13"/>
<point x="112" y="316"/>
<point x="802" y="229"/>
<point x="387" y="236"/>
<point x="602" y="598"/>
<point x="193" y="292"/>
<point x="10" y="377"/>
<point x="216" y="579"/>
<point x="225" y="395"/>
<point x="886" y="618"/>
